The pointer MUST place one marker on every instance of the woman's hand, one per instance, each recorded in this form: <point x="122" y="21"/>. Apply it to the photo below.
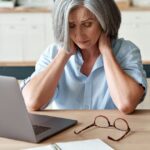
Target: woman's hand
<point x="104" y="43"/>
<point x="72" y="50"/>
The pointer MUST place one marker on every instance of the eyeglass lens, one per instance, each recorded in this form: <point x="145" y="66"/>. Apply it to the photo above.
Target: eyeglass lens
<point x="103" y="122"/>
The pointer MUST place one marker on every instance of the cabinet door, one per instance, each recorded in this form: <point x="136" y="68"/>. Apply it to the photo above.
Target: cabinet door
<point x="35" y="37"/>
<point x="12" y="28"/>
<point x="33" y="42"/>
<point x="24" y="36"/>
<point x="136" y="27"/>
<point x="49" y="29"/>
<point x="11" y="42"/>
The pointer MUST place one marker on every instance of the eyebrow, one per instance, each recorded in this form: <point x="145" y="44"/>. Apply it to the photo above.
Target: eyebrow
<point x="89" y="19"/>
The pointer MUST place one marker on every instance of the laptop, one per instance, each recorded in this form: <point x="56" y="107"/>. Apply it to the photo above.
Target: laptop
<point x="17" y="123"/>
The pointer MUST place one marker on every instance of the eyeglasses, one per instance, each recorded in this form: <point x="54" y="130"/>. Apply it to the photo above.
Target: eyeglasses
<point x="103" y="122"/>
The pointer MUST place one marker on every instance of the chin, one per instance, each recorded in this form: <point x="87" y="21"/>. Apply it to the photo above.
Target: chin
<point x="84" y="46"/>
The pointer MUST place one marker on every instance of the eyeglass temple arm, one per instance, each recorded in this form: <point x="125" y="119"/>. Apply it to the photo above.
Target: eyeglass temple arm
<point x="89" y="126"/>
<point x="120" y="137"/>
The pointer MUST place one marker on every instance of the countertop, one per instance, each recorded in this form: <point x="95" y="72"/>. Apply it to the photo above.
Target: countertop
<point x="47" y="10"/>
<point x="134" y="8"/>
<point x="25" y="9"/>
<point x="32" y="63"/>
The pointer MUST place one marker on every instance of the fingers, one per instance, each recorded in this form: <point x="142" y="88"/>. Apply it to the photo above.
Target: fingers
<point x="73" y="46"/>
<point x="104" y="42"/>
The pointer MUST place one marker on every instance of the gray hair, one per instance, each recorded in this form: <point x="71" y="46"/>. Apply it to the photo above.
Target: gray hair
<point x="106" y="12"/>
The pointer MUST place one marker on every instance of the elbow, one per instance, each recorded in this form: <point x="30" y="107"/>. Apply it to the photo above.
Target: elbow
<point x="32" y="105"/>
<point x="126" y="104"/>
<point x="126" y="108"/>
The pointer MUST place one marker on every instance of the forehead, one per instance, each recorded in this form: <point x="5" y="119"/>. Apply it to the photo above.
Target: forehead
<point x="80" y="13"/>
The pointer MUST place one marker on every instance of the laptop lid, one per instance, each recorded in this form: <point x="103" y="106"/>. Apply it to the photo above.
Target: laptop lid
<point x="17" y="123"/>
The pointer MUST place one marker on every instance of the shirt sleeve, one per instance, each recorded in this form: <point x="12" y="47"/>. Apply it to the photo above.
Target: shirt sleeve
<point x="44" y="60"/>
<point x="130" y="60"/>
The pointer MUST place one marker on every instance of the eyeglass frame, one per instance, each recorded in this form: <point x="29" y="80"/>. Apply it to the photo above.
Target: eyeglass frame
<point x="109" y="125"/>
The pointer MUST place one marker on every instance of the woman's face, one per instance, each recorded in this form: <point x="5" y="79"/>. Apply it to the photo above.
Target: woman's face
<point x="84" y="28"/>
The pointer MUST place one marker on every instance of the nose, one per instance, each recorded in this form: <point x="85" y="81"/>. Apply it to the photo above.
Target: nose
<point x="79" y="34"/>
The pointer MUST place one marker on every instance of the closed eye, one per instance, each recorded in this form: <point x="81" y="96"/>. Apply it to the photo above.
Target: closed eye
<point x="71" y="25"/>
<point x="87" y="24"/>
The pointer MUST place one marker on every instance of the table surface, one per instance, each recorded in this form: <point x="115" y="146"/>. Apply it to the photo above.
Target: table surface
<point x="138" y="138"/>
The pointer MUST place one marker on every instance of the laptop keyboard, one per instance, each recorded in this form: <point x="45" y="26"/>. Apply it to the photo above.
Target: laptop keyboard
<point x="39" y="129"/>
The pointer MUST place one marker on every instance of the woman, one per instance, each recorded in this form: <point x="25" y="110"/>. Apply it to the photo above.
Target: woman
<point x="88" y="67"/>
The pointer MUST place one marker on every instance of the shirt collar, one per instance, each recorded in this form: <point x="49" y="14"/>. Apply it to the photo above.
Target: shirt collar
<point x="98" y="63"/>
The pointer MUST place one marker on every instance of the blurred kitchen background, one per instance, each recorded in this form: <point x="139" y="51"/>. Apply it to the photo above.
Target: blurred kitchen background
<point x="26" y="27"/>
<point x="26" y="31"/>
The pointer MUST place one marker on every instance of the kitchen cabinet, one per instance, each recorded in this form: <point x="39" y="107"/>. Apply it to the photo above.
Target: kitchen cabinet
<point x="136" y="27"/>
<point x="23" y="36"/>
<point x="10" y="42"/>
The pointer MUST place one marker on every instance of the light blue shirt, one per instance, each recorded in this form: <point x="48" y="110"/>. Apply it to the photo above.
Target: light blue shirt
<point x="77" y="91"/>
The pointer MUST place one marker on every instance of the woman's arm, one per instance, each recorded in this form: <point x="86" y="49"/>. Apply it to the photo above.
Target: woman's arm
<point x="42" y="87"/>
<point x="124" y="90"/>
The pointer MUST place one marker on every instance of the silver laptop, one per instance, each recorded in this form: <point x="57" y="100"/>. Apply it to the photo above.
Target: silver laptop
<point x="17" y="123"/>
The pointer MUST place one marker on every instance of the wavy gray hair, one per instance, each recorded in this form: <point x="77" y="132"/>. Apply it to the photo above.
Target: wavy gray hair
<point x="106" y="12"/>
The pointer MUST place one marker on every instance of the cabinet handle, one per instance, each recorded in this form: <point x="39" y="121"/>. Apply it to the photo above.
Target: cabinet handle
<point x="23" y="19"/>
<point x="12" y="27"/>
<point x="138" y="18"/>
<point x="34" y="27"/>
<point x="136" y="26"/>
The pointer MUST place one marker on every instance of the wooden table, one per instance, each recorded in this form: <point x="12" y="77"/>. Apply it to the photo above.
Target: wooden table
<point x="138" y="138"/>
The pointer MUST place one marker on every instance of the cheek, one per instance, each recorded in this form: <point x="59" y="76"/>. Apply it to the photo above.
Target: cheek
<point x="98" y="30"/>
<point x="72" y="34"/>
<point x="95" y="33"/>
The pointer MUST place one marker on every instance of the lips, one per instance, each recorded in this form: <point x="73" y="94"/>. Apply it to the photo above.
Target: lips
<point x="83" y="41"/>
